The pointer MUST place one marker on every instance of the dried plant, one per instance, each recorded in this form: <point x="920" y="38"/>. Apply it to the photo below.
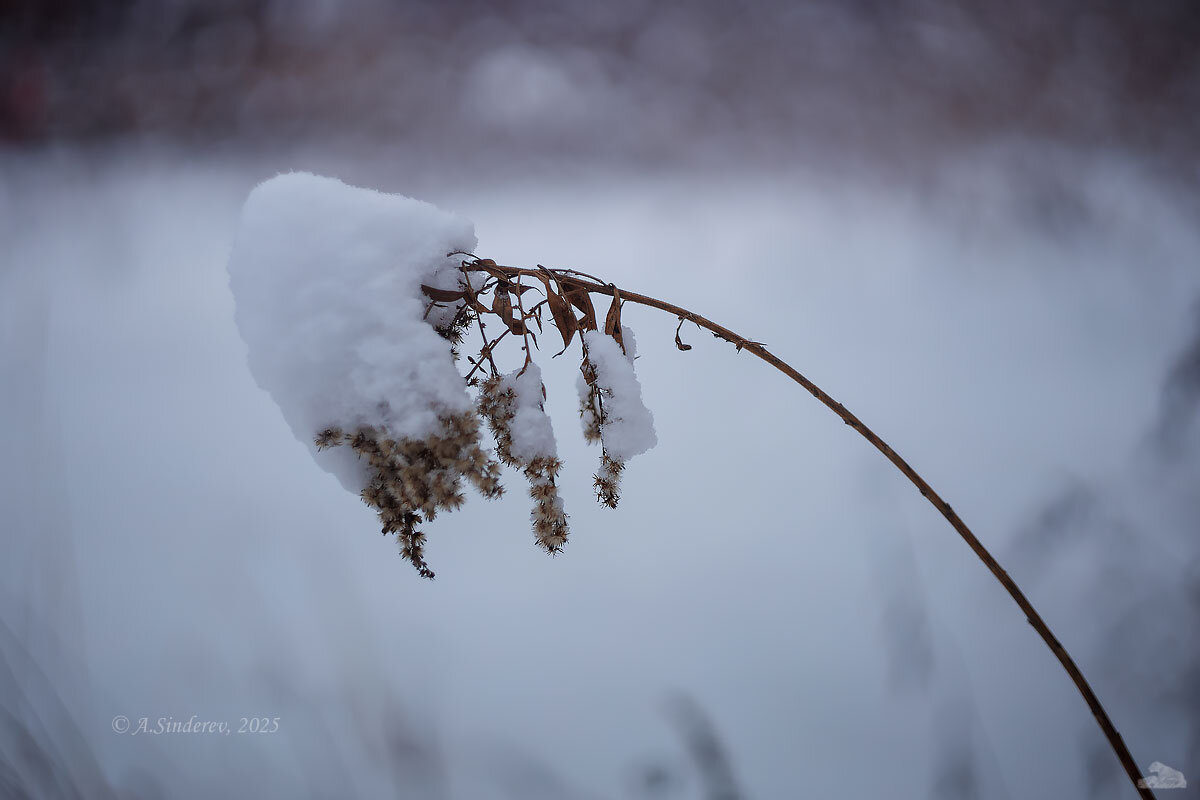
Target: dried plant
<point x="413" y="480"/>
<point x="497" y="404"/>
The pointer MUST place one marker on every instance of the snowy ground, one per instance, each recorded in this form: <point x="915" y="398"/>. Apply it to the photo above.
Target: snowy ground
<point x="173" y="550"/>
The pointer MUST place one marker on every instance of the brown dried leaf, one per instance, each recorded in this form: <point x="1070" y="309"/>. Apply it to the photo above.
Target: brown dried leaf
<point x="588" y="372"/>
<point x="502" y="307"/>
<point x="679" y="342"/>
<point x="612" y="322"/>
<point x="560" y="309"/>
<point x="491" y="269"/>
<point x="582" y="299"/>
<point x="442" y="295"/>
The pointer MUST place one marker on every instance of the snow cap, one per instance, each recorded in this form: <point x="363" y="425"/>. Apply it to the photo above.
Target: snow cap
<point x="326" y="278"/>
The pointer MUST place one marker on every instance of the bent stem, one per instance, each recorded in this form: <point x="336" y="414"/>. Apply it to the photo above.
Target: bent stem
<point x="587" y="283"/>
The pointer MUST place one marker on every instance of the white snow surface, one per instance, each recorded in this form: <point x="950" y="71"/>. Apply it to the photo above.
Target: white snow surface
<point x="326" y="279"/>
<point x="630" y="427"/>
<point x="530" y="428"/>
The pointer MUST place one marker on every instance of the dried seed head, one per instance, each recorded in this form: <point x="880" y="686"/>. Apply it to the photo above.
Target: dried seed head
<point x="414" y="479"/>
<point x="542" y="491"/>
<point x="330" y="437"/>
<point x="364" y="442"/>
<point x="497" y="406"/>
<point x="373" y="495"/>
<point x="607" y="480"/>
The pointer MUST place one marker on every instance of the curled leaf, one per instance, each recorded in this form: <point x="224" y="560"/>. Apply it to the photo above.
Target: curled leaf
<point x="679" y="342"/>
<point x="582" y="299"/>
<point x="442" y="295"/>
<point x="612" y="322"/>
<point x="489" y="266"/>
<point x="502" y="307"/>
<point x="560" y="309"/>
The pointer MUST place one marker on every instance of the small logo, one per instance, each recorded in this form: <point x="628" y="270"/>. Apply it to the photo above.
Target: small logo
<point x="1163" y="777"/>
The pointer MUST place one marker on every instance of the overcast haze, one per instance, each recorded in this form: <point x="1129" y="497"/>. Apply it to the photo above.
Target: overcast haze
<point x="975" y="229"/>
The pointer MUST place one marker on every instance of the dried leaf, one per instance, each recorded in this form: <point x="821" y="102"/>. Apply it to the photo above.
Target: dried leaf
<point x="442" y="295"/>
<point x="588" y="371"/>
<point x="582" y="299"/>
<point x="500" y="275"/>
<point x="560" y="309"/>
<point x="679" y="342"/>
<point x="612" y="322"/>
<point x="502" y="307"/>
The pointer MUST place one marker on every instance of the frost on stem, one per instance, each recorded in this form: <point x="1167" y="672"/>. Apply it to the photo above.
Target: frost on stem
<point x="354" y="317"/>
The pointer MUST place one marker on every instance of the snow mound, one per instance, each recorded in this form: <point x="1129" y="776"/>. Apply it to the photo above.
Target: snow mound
<point x="629" y="428"/>
<point x="530" y="428"/>
<point x="326" y="278"/>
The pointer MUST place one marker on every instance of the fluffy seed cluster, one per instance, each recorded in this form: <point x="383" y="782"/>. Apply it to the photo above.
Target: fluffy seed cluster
<point x="498" y="404"/>
<point x="591" y="403"/>
<point x="594" y="417"/>
<point x="413" y="479"/>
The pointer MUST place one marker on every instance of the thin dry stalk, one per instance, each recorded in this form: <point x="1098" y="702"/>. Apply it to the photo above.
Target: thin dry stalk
<point x="575" y="285"/>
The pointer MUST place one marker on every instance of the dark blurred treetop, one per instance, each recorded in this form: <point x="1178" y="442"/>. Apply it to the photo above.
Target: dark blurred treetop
<point x="905" y="79"/>
<point x="40" y="22"/>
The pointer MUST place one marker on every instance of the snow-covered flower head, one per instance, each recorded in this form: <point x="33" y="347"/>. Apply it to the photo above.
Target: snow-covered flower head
<point x="353" y="314"/>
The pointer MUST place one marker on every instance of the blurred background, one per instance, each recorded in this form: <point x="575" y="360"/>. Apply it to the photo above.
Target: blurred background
<point x="974" y="224"/>
<point x="912" y="80"/>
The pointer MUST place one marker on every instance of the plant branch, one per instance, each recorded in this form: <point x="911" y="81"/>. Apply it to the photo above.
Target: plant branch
<point x="576" y="279"/>
<point x="486" y="351"/>
<point x="473" y="302"/>
<point x="524" y="327"/>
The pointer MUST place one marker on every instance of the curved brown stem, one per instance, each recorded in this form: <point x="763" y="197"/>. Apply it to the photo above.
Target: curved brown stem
<point x="1031" y="614"/>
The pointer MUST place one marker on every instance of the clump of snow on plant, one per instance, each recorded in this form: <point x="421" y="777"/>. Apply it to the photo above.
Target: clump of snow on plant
<point x="628" y="429"/>
<point x="326" y="279"/>
<point x="530" y="428"/>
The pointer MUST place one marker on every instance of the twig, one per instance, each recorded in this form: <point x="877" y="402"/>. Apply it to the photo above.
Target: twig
<point x="591" y="284"/>
<point x="473" y="301"/>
